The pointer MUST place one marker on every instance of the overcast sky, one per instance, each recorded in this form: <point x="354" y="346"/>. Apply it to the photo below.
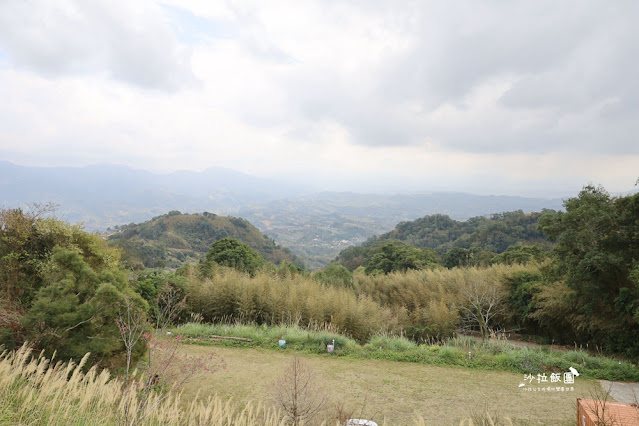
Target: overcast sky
<point x="504" y="97"/>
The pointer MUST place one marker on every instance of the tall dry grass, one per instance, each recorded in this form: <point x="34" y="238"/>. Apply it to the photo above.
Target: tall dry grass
<point x="37" y="391"/>
<point x="430" y="298"/>
<point x="423" y="304"/>
<point x="290" y="300"/>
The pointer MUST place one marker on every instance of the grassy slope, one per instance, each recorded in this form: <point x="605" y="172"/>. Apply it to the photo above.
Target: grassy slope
<point x="378" y="389"/>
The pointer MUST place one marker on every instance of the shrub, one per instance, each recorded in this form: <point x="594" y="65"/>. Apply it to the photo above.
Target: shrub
<point x="396" y="344"/>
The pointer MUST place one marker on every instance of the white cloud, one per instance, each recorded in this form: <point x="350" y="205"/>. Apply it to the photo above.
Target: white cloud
<point x="469" y="95"/>
<point x="128" y="41"/>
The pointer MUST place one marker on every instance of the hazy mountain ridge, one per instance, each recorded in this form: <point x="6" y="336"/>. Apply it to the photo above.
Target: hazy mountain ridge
<point x="319" y="226"/>
<point x="107" y="195"/>
<point x="316" y="226"/>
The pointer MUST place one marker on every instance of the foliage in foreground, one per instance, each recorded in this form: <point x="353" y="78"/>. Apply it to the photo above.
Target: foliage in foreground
<point x="36" y="391"/>
<point x="423" y="305"/>
<point x="435" y="303"/>
<point x="60" y="287"/>
<point x="594" y="294"/>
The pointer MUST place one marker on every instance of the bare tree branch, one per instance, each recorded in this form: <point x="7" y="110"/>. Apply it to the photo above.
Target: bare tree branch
<point x="297" y="393"/>
<point x="79" y="324"/>
<point x="482" y="304"/>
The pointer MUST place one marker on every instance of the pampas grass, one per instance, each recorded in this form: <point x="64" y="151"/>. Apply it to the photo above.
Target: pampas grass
<point x="35" y="390"/>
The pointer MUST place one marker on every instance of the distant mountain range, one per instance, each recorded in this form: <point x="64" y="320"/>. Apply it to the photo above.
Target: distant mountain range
<point x="108" y="195"/>
<point x="315" y="226"/>
<point x="318" y="226"/>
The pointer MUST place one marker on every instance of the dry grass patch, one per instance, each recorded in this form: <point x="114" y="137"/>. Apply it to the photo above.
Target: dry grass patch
<point x="393" y="391"/>
<point x="35" y="391"/>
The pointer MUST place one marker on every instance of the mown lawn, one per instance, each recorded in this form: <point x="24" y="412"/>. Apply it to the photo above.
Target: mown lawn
<point x="390" y="391"/>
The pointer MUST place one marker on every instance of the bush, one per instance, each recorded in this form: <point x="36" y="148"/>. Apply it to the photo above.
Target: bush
<point x="396" y="344"/>
<point x="234" y="254"/>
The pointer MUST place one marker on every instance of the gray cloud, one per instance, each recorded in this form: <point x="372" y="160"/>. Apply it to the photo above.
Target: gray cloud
<point x="127" y="41"/>
<point x="442" y="91"/>
<point x="571" y="67"/>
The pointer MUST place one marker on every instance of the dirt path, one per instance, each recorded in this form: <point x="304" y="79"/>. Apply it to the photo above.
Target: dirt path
<point x="622" y="392"/>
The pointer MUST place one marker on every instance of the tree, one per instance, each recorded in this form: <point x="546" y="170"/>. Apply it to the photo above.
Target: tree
<point x="234" y="254"/>
<point x="164" y="292"/>
<point x="457" y="256"/>
<point x="352" y="257"/>
<point x="460" y="257"/>
<point x="394" y="256"/>
<point x="596" y="257"/>
<point x="59" y="287"/>
<point x="482" y="303"/>
<point x="523" y="288"/>
<point x="23" y="250"/>
<point x="298" y="394"/>
<point x="520" y="254"/>
<point x="132" y="324"/>
<point x="76" y="309"/>
<point x="288" y="269"/>
<point x="335" y="275"/>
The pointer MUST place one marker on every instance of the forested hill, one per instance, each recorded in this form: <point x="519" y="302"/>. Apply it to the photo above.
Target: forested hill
<point x="174" y="238"/>
<point x="494" y="233"/>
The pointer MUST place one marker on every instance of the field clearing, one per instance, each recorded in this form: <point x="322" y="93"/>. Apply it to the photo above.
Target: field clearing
<point x="393" y="391"/>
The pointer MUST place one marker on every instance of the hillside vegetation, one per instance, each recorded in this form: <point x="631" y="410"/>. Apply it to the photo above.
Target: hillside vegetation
<point x="315" y="226"/>
<point x="60" y="283"/>
<point x="493" y="233"/>
<point x="175" y="238"/>
<point x="64" y="290"/>
<point x="480" y="237"/>
<point x="318" y="227"/>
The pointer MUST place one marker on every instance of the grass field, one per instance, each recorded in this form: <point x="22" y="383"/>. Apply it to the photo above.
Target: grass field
<point x="488" y="355"/>
<point x="390" y="391"/>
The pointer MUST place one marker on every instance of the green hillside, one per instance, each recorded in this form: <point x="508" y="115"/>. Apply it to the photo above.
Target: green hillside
<point x="174" y="238"/>
<point x="491" y="234"/>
